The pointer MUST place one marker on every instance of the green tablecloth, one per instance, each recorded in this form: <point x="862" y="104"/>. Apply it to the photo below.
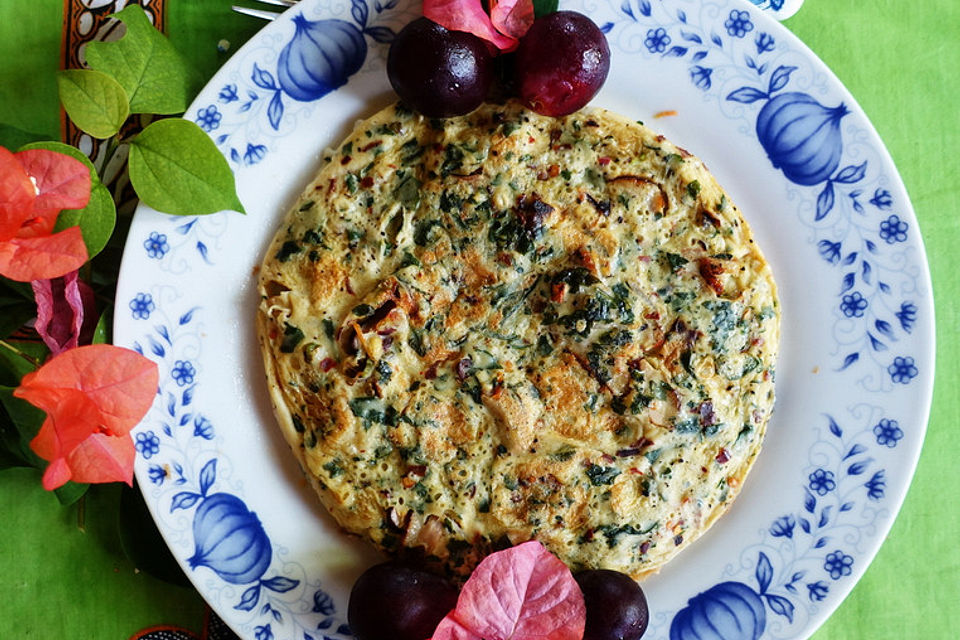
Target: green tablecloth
<point x="901" y="60"/>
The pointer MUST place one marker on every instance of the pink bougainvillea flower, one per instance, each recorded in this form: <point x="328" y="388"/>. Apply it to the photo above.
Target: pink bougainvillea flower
<point x="34" y="187"/>
<point x="521" y="593"/>
<point x="66" y="311"/>
<point x="93" y="396"/>
<point x="507" y="21"/>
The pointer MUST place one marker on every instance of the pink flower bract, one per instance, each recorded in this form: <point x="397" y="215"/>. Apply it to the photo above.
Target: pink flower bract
<point x="507" y="22"/>
<point x="521" y="593"/>
<point x="34" y="186"/>
<point x="93" y="396"/>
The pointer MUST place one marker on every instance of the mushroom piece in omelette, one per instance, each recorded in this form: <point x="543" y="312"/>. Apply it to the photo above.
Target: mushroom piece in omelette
<point x="503" y="326"/>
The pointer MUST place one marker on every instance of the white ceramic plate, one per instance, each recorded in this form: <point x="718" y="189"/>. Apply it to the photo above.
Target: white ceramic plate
<point x="718" y="77"/>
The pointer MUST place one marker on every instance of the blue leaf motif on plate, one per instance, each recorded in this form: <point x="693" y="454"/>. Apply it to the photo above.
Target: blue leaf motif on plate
<point x="229" y="540"/>
<point x="726" y="611"/>
<point x="320" y="57"/>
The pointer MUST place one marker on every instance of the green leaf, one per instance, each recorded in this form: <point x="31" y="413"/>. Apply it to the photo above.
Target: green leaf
<point x="13" y="366"/>
<point x="176" y="168"/>
<point x="543" y="7"/>
<point x="19" y="423"/>
<point x="16" y="306"/>
<point x="141" y="540"/>
<point x="101" y="333"/>
<point x="13" y="137"/>
<point x="154" y="76"/>
<point x="98" y="219"/>
<point x="94" y="101"/>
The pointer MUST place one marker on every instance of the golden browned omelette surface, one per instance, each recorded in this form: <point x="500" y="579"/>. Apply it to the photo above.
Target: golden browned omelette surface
<point x="503" y="326"/>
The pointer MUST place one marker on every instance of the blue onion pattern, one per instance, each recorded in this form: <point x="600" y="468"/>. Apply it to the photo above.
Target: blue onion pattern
<point x="726" y="611"/>
<point x="801" y="136"/>
<point x="320" y="57"/>
<point x="229" y="540"/>
<point x="893" y="230"/>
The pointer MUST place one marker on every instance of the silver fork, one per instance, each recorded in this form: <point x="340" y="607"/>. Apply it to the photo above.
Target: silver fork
<point x="264" y="14"/>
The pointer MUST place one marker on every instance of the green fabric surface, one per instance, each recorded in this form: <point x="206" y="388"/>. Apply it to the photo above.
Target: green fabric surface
<point x="900" y="60"/>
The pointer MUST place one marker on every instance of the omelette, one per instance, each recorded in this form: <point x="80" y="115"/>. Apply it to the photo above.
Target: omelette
<point x="499" y="327"/>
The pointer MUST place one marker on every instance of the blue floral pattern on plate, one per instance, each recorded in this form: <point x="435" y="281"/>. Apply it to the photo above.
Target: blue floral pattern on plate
<point x="842" y="463"/>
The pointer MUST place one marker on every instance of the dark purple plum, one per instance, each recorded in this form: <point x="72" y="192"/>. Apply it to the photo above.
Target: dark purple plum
<point x="399" y="601"/>
<point x="616" y="606"/>
<point x="438" y="72"/>
<point x="561" y="63"/>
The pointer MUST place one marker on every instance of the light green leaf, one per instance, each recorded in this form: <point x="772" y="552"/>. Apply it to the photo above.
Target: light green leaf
<point x="93" y="100"/>
<point x="155" y="77"/>
<point x="99" y="217"/>
<point x="176" y="168"/>
<point x="96" y="220"/>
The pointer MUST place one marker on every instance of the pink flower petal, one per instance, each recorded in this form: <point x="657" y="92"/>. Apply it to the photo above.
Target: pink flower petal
<point x="17" y="194"/>
<point x="61" y="310"/>
<point x="43" y="257"/>
<point x="521" y="593"/>
<point x="512" y="17"/>
<point x="63" y="182"/>
<point x="103" y="458"/>
<point x="469" y="16"/>
<point x="119" y="383"/>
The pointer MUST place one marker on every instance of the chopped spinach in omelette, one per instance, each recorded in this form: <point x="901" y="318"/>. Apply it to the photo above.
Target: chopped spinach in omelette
<point x="504" y="326"/>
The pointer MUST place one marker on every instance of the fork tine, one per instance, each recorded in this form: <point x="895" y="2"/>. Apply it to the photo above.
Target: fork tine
<point x="279" y="3"/>
<point x="256" y="13"/>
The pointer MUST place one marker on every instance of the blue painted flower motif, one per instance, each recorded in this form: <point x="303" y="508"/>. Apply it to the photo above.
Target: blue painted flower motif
<point x="203" y="428"/>
<point x="818" y="591"/>
<point x="263" y="632"/>
<point x="229" y="540"/>
<point x="157" y="474"/>
<point x="764" y="42"/>
<point x="829" y="251"/>
<point x="838" y="564"/>
<point x="888" y="433"/>
<point x="853" y="305"/>
<point x="738" y="24"/>
<point x="882" y="199"/>
<point x="726" y="611"/>
<point x="254" y="154"/>
<point x="183" y="372"/>
<point x="228" y="94"/>
<point x="822" y="482"/>
<point x="907" y="315"/>
<point x="783" y="526"/>
<point x="894" y="230"/>
<point x="701" y="76"/>
<point x="802" y="137"/>
<point x="142" y="306"/>
<point x="903" y="369"/>
<point x="148" y="444"/>
<point x="657" y="40"/>
<point x="209" y="118"/>
<point x="876" y="485"/>
<point x="320" y="57"/>
<point x="156" y="245"/>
